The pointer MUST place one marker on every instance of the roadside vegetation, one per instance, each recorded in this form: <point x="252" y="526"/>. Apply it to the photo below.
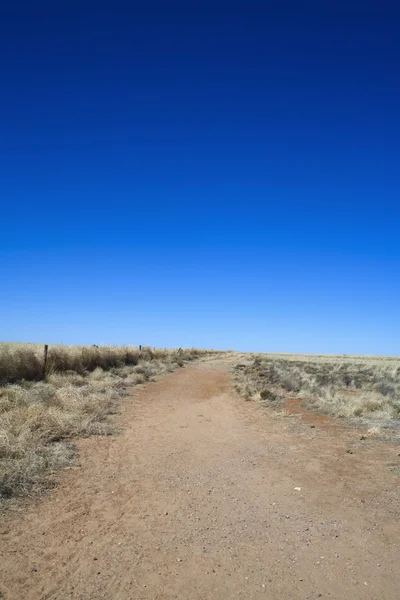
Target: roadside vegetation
<point x="364" y="389"/>
<point x="40" y="412"/>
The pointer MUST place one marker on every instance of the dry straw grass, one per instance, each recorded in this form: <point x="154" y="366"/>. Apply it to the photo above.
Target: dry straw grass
<point x="25" y="361"/>
<point x="82" y="387"/>
<point x="364" y="389"/>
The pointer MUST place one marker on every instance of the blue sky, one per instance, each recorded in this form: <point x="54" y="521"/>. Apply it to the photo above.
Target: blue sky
<point x="217" y="176"/>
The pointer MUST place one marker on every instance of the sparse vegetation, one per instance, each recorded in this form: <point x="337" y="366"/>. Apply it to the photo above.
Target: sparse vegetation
<point x="39" y="416"/>
<point x="366" y="389"/>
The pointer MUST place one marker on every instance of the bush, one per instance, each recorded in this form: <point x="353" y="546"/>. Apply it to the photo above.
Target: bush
<point x="268" y="395"/>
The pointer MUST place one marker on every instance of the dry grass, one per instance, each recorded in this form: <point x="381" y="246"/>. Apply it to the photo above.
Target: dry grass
<point x="83" y="386"/>
<point x="25" y="361"/>
<point x="365" y="389"/>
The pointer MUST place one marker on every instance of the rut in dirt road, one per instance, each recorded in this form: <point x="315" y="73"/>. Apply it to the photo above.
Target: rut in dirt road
<point x="197" y="499"/>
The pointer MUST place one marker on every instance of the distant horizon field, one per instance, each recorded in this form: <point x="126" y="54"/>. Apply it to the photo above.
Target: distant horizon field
<point x="328" y="357"/>
<point x="294" y="356"/>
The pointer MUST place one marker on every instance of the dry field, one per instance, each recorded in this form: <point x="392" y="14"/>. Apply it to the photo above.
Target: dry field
<point x="361" y="389"/>
<point x="203" y="495"/>
<point x="39" y="415"/>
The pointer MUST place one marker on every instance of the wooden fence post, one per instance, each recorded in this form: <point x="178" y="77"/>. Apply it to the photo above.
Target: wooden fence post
<point x="46" y="349"/>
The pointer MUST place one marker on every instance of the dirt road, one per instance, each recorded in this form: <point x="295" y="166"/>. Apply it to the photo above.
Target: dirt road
<point x="197" y="499"/>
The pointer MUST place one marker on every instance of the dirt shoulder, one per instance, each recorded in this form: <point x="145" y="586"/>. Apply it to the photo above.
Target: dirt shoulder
<point x="197" y="499"/>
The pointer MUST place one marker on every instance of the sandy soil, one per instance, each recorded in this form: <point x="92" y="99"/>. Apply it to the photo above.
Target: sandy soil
<point x="198" y="498"/>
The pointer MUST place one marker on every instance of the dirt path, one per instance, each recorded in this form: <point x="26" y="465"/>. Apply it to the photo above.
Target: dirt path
<point x="197" y="499"/>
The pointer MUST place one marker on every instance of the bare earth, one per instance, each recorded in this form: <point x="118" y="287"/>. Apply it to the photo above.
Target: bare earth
<point x="197" y="499"/>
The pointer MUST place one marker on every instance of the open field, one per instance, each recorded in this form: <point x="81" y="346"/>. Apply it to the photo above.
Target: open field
<point x="82" y="386"/>
<point x="203" y="495"/>
<point x="364" y="390"/>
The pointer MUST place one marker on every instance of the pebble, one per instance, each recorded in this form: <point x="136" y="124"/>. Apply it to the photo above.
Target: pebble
<point x="298" y="489"/>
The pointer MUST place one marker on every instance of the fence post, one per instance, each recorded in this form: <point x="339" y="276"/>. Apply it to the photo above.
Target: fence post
<point x="46" y="348"/>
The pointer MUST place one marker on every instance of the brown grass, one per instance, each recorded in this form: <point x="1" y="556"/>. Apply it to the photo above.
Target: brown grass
<point x="363" y="389"/>
<point x="82" y="387"/>
<point x="26" y="361"/>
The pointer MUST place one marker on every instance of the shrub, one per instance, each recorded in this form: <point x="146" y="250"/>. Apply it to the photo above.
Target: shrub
<point x="268" y="395"/>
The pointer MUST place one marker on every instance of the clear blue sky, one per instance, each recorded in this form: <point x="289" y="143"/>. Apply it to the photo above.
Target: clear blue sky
<point x="222" y="175"/>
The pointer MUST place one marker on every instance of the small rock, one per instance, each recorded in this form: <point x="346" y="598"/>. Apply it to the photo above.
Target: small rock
<point x="34" y="570"/>
<point x="312" y="426"/>
<point x="298" y="489"/>
<point x="165" y="513"/>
